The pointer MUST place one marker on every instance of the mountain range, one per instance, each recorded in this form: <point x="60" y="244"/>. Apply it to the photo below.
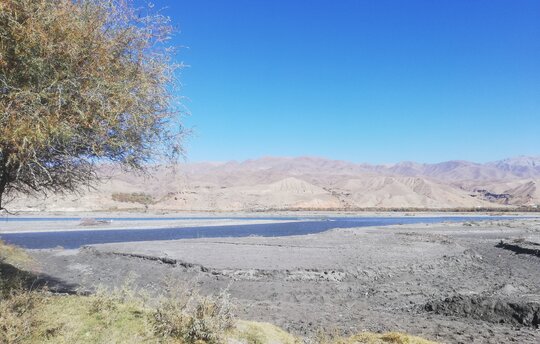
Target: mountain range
<point x="307" y="183"/>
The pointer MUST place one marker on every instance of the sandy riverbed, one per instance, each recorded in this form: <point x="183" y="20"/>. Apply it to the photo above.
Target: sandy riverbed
<point x="447" y="282"/>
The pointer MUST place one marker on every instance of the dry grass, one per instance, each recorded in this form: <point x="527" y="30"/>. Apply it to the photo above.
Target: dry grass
<point x="117" y="316"/>
<point x="15" y="256"/>
<point x="371" y="338"/>
<point x="13" y="265"/>
<point x="91" y="319"/>
<point x="16" y="316"/>
<point x="250" y="332"/>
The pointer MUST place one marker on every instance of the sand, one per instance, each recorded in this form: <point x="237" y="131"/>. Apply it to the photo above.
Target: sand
<point x="449" y="282"/>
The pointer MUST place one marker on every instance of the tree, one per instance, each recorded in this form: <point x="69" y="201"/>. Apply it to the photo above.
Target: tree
<point x="82" y="82"/>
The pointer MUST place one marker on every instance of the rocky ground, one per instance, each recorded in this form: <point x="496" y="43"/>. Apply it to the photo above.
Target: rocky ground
<point x="455" y="283"/>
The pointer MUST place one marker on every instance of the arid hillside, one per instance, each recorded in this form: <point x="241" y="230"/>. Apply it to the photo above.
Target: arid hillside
<point x="309" y="184"/>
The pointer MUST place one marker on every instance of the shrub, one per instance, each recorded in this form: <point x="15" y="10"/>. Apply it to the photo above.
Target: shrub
<point x="16" y="318"/>
<point x="186" y="315"/>
<point x="134" y="197"/>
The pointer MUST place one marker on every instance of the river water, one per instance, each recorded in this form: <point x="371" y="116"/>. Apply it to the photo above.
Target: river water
<point x="301" y="226"/>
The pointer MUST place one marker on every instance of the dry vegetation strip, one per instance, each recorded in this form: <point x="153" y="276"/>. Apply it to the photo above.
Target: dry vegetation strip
<point x="134" y="197"/>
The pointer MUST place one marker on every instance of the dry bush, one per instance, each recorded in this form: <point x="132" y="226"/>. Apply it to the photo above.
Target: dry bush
<point x="134" y="197"/>
<point x="334" y="337"/>
<point x="186" y="315"/>
<point x="16" y="302"/>
<point x="183" y="314"/>
<point x="11" y="280"/>
<point x="107" y="300"/>
<point x="325" y="336"/>
<point x="16" y="318"/>
<point x="103" y="303"/>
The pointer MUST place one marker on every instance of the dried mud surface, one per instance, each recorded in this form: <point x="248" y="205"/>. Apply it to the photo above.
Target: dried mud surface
<point x="450" y="282"/>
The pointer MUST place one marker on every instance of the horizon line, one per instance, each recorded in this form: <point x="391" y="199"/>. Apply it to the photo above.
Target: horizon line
<point x="320" y="157"/>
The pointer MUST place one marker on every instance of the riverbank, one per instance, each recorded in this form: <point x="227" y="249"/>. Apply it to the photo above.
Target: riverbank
<point x="447" y="282"/>
<point x="87" y="221"/>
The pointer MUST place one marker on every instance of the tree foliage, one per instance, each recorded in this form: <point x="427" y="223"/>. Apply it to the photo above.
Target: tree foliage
<point x="82" y="82"/>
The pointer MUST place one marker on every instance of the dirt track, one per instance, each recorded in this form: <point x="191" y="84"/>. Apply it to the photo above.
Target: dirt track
<point x="453" y="283"/>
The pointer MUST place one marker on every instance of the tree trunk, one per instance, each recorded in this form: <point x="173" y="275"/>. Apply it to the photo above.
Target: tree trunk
<point x="4" y="178"/>
<point x="3" y="184"/>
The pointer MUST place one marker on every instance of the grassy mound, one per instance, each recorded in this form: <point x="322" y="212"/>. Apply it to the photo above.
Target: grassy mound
<point x="15" y="256"/>
<point x="260" y="333"/>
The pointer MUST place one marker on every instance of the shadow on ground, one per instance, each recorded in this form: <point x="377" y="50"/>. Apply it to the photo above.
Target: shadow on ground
<point x="13" y="278"/>
<point x="521" y="247"/>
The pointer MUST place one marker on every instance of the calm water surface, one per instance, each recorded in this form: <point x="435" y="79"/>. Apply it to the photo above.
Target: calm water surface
<point x="76" y="239"/>
<point x="52" y="219"/>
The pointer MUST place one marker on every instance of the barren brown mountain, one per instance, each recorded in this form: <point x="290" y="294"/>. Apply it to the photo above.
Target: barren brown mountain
<point x="310" y="184"/>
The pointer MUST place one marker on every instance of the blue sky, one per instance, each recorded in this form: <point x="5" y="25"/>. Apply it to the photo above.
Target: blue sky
<point x="367" y="81"/>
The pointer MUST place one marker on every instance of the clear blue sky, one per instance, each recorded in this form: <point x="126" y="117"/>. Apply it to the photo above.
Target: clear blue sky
<point x="367" y="81"/>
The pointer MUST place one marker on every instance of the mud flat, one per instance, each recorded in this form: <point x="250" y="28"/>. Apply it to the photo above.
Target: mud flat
<point x="450" y="282"/>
